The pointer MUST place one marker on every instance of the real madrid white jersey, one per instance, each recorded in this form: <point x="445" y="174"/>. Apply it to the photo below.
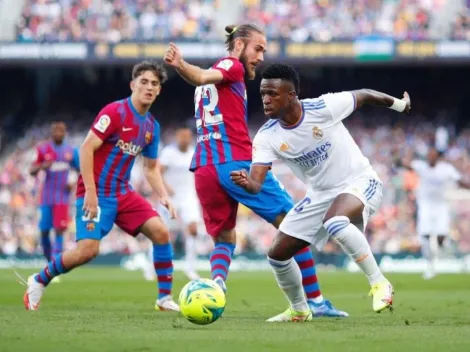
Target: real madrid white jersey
<point x="434" y="181"/>
<point x="319" y="149"/>
<point x="177" y="175"/>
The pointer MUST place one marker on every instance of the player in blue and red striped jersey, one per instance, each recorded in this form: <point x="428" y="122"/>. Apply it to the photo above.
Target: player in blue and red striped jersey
<point x="122" y="130"/>
<point x="224" y="145"/>
<point x="55" y="158"/>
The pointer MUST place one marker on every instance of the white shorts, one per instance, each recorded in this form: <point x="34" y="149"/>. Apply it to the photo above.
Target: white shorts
<point x="187" y="213"/>
<point x="305" y="220"/>
<point x="433" y="219"/>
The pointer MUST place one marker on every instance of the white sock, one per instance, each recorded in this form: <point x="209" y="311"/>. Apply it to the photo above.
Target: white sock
<point x="289" y="279"/>
<point x="355" y="244"/>
<point x="190" y="253"/>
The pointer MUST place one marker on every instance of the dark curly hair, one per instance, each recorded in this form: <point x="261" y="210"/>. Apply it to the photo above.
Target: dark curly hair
<point x="284" y="72"/>
<point x="147" y="65"/>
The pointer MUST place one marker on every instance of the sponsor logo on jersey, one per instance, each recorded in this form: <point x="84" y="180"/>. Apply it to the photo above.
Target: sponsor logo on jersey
<point x="314" y="157"/>
<point x="103" y="122"/>
<point x="59" y="166"/>
<point x="317" y="133"/>
<point x="208" y="136"/>
<point x="129" y="147"/>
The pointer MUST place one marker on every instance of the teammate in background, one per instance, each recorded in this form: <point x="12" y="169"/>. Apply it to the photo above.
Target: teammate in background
<point x="121" y="131"/>
<point x="435" y="177"/>
<point x="175" y="160"/>
<point x="343" y="189"/>
<point x="55" y="157"/>
<point x="224" y="145"/>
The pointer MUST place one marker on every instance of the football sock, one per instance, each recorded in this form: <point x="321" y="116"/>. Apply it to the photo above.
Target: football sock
<point x="54" y="268"/>
<point x="220" y="259"/>
<point x="58" y="244"/>
<point x="163" y="264"/>
<point x="355" y="244"/>
<point x="190" y="252"/>
<point x="304" y="259"/>
<point x="289" y="279"/>
<point x="46" y="244"/>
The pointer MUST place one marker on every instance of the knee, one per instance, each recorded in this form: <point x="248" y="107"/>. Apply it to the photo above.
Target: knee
<point x="160" y="235"/>
<point x="334" y="224"/>
<point x="226" y="236"/>
<point x="88" y="250"/>
<point x="192" y="229"/>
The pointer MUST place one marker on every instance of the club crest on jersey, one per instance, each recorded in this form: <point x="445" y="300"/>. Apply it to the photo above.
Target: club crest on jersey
<point x="283" y="147"/>
<point x="68" y="156"/>
<point x="90" y="226"/>
<point x="148" y="137"/>
<point x="129" y="147"/>
<point x="317" y="133"/>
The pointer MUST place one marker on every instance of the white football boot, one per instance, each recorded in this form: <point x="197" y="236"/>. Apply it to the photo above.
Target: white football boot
<point x="32" y="296"/>
<point x="166" y="304"/>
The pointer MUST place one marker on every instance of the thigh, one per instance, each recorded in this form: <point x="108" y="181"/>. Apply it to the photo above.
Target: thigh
<point x="219" y="209"/>
<point x="97" y="228"/>
<point x="269" y="203"/>
<point x="60" y="215"/>
<point x="426" y="220"/>
<point x="442" y="220"/>
<point x="45" y="223"/>
<point x="133" y="211"/>
<point x="305" y="220"/>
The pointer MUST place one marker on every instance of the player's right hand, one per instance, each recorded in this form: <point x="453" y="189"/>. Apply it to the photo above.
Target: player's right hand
<point x="46" y="164"/>
<point x="240" y="178"/>
<point x="406" y="98"/>
<point x="173" y="56"/>
<point x="90" y="204"/>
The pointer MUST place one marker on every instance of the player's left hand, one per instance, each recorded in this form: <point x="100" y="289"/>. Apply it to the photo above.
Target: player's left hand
<point x="240" y="178"/>
<point x="407" y="99"/>
<point x="167" y="204"/>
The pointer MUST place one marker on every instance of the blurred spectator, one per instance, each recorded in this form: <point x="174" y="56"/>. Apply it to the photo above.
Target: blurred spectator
<point x="116" y="20"/>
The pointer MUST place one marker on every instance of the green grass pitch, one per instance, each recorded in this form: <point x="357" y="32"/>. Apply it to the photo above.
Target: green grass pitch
<point x="109" y="309"/>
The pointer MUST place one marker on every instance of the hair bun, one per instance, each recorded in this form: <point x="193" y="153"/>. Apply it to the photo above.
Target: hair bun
<point x="230" y="29"/>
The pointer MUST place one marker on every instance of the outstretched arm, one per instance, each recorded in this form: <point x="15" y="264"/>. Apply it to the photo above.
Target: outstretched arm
<point x="190" y="73"/>
<point x="253" y="182"/>
<point x="375" y="98"/>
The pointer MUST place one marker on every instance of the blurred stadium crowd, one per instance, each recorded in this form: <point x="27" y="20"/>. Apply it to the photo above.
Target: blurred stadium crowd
<point x="296" y="20"/>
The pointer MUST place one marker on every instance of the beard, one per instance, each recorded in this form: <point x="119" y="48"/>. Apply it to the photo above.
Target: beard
<point x="249" y="71"/>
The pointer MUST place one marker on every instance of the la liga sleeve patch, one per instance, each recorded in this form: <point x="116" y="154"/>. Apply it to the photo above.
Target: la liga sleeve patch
<point x="103" y="123"/>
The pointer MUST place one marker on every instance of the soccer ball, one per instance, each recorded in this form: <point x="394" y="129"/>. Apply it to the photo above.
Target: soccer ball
<point x="202" y="301"/>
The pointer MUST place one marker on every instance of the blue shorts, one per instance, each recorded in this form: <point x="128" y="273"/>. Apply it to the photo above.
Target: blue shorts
<point x="129" y="212"/>
<point x="219" y="196"/>
<point x="54" y="216"/>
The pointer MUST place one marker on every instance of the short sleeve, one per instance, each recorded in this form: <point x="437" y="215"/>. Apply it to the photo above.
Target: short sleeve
<point x="263" y="153"/>
<point x="340" y="105"/>
<point x="165" y="156"/>
<point x="418" y="166"/>
<point x="454" y="174"/>
<point x="39" y="156"/>
<point x="75" y="162"/>
<point x="106" y="122"/>
<point x="232" y="70"/>
<point x="151" y="150"/>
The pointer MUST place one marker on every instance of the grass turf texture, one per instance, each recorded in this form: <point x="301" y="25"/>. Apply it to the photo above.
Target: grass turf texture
<point x="109" y="309"/>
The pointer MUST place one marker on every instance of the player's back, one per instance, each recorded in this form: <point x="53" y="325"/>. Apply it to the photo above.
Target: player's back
<point x="54" y="187"/>
<point x="221" y="117"/>
<point x="125" y="134"/>
<point x="177" y="175"/>
<point x="434" y="181"/>
<point x="319" y="149"/>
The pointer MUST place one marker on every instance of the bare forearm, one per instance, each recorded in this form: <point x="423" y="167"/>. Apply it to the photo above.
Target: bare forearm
<point x="190" y="73"/>
<point x="34" y="170"/>
<point x="87" y="166"/>
<point x="155" y="180"/>
<point x="373" y="97"/>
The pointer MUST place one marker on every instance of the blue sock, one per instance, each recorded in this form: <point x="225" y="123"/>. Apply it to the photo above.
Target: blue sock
<point x="304" y="259"/>
<point x="163" y="264"/>
<point x="220" y="258"/>
<point x="58" y="244"/>
<point x="46" y="244"/>
<point x="54" y="268"/>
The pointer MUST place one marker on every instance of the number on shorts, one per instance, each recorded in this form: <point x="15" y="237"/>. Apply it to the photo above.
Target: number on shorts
<point x="95" y="219"/>
<point x="302" y="204"/>
<point x="211" y="98"/>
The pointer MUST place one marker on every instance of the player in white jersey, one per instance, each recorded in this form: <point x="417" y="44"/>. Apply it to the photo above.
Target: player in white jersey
<point x="436" y="176"/>
<point x="343" y="189"/>
<point x="175" y="160"/>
